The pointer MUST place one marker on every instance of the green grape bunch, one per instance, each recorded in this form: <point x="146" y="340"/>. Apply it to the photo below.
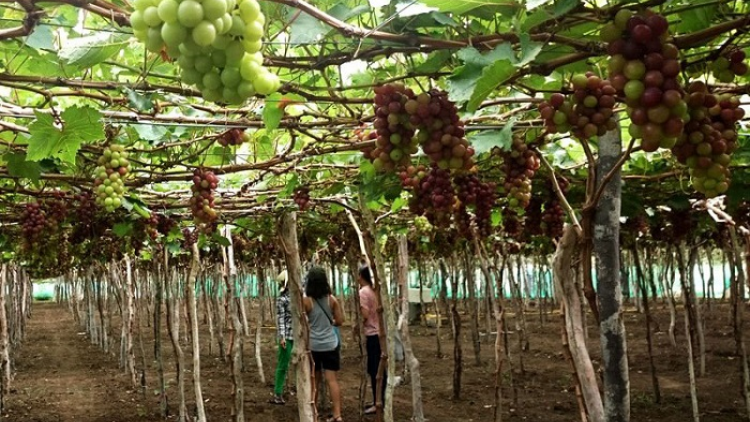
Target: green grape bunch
<point x="109" y="185"/>
<point x="216" y="44"/>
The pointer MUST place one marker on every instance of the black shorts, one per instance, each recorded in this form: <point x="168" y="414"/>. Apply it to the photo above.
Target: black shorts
<point x="329" y="361"/>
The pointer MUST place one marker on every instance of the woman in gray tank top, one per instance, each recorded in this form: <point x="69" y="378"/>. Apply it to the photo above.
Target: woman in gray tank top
<point x="324" y="314"/>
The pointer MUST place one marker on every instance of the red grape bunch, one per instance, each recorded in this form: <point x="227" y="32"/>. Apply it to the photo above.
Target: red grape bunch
<point x="202" y="201"/>
<point x="394" y="134"/>
<point x="645" y="69"/>
<point x="109" y="185"/>
<point x="86" y="210"/>
<point x="553" y="216"/>
<point x="33" y="222"/>
<point x="558" y="113"/>
<point x="519" y="164"/>
<point x="57" y="210"/>
<point x="233" y="137"/>
<point x="435" y="197"/>
<point x="441" y="131"/>
<point x="302" y="197"/>
<point x="479" y="195"/>
<point x="412" y="176"/>
<point x="729" y="64"/>
<point x="588" y="112"/>
<point x="191" y="237"/>
<point x="703" y="146"/>
<point x="165" y="224"/>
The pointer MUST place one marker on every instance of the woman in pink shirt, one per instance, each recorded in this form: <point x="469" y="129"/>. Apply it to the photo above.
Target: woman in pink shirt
<point x="368" y="303"/>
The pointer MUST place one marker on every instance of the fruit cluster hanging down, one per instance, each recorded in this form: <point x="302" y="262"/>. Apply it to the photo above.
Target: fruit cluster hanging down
<point x="587" y="113"/>
<point x="233" y="137"/>
<point x="709" y="139"/>
<point x="216" y="44"/>
<point x="33" y="222"/>
<point x="202" y="201"/>
<point x="109" y="185"/>
<point x="729" y="64"/>
<point x="644" y="68"/>
<point x="301" y="197"/>
<point x="400" y="114"/>
<point x="519" y="165"/>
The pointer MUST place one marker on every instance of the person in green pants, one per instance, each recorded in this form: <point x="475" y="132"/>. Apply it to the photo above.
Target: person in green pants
<point x="285" y="338"/>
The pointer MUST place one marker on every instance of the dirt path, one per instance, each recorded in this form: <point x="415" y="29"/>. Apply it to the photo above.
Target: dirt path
<point x="61" y="377"/>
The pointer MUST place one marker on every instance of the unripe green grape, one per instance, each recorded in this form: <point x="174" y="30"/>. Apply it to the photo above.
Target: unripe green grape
<point x="154" y="43"/>
<point x="219" y="25"/>
<point x="203" y="64"/>
<point x="231" y="5"/>
<point x="141" y="34"/>
<point x="141" y="5"/>
<point x="253" y="31"/>
<point x="212" y="95"/>
<point x="249" y="69"/>
<point x="137" y="22"/>
<point x="249" y="10"/>
<point x="218" y="58"/>
<point x="234" y="52"/>
<point x="238" y="26"/>
<point x="245" y="89"/>
<point x="168" y="10"/>
<point x="151" y="17"/>
<point x="221" y="42"/>
<point x="227" y="23"/>
<point x="204" y="34"/>
<point x="212" y="80"/>
<point x="190" y="13"/>
<point x="266" y="83"/>
<point x="173" y="34"/>
<point x="231" y="77"/>
<point x="186" y="62"/>
<point x="231" y="97"/>
<point x="213" y="9"/>
<point x="252" y="46"/>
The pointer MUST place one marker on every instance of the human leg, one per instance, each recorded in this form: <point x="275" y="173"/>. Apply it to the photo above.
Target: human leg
<point x="282" y="367"/>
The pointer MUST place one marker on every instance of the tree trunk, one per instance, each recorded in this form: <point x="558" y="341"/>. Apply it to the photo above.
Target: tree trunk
<point x="259" y="325"/>
<point x="190" y="286"/>
<point x="411" y="360"/>
<point x="301" y="353"/>
<point x="570" y="301"/>
<point x="473" y="308"/>
<point x="129" y="321"/>
<point x="606" y="246"/>
<point x="173" y="326"/>
<point x="235" y="333"/>
<point x="737" y="286"/>
<point x="160" y="281"/>
<point x="5" y="369"/>
<point x="457" y="350"/>
<point x="644" y="296"/>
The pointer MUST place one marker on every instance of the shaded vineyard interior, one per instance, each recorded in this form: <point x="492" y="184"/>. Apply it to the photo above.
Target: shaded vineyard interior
<point x="62" y="377"/>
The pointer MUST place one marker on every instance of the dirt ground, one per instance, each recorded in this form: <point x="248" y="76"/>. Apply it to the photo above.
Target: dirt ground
<point x="61" y="377"/>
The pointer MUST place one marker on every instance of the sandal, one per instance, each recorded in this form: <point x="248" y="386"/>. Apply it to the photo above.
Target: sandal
<point x="370" y="410"/>
<point x="332" y="419"/>
<point x="277" y="400"/>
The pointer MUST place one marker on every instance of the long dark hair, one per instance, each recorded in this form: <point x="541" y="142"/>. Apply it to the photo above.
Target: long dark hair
<point x="364" y="272"/>
<point x="317" y="283"/>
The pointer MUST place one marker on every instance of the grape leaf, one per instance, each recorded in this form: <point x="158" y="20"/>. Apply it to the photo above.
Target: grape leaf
<point x="272" y="113"/>
<point x="398" y="203"/>
<point x="88" y="51"/>
<point x="19" y="167"/>
<point x="486" y="140"/>
<point x="492" y="77"/>
<point x="305" y="29"/>
<point x="462" y="6"/>
<point x="122" y="229"/>
<point x="434" y="62"/>
<point x="79" y="125"/>
<point x="42" y="38"/>
<point x="462" y="83"/>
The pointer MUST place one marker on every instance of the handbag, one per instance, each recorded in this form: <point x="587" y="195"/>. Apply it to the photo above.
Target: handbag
<point x="335" y="328"/>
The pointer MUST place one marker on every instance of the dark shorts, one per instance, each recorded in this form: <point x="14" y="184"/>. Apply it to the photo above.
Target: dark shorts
<point x="329" y="361"/>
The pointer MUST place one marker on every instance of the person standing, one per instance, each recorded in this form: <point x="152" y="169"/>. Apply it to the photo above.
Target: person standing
<point x="368" y="304"/>
<point x="285" y="337"/>
<point x="324" y="314"/>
